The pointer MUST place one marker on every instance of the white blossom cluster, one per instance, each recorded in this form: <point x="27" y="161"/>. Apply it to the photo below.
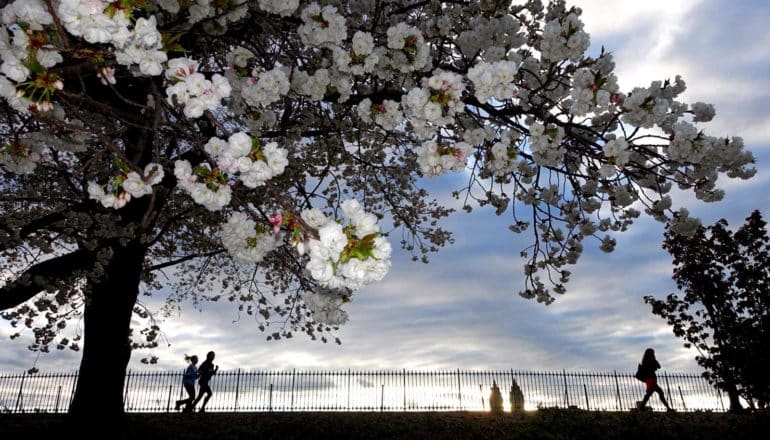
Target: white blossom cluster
<point x="17" y="56"/>
<point x="491" y="37"/>
<point x="265" y="88"/>
<point x="545" y="143"/>
<point x="347" y="257"/>
<point x="322" y="27"/>
<point x="245" y="240"/>
<point x="618" y="150"/>
<point x="493" y="80"/>
<point x="139" y="44"/>
<point x="591" y="91"/>
<point x="437" y="101"/>
<point x="280" y="7"/>
<point x="321" y="83"/>
<point x="192" y="90"/>
<point x="325" y="305"/>
<point x="171" y="6"/>
<point x="623" y="196"/>
<point x="436" y="158"/>
<point x="143" y="48"/>
<point x="502" y="155"/>
<point x="703" y="112"/>
<point x="22" y="155"/>
<point x="207" y="187"/>
<point x="315" y="86"/>
<point x="73" y="141"/>
<point x="198" y="10"/>
<point x="688" y="145"/>
<point x="242" y="155"/>
<point x="32" y="12"/>
<point x="89" y="19"/>
<point x="221" y="12"/>
<point x="564" y="39"/>
<point x="237" y="73"/>
<point x="363" y="58"/>
<point x="15" y="49"/>
<point x="20" y="158"/>
<point x="239" y="57"/>
<point x="608" y="244"/>
<point x="410" y="51"/>
<point x="683" y="224"/>
<point x="386" y="114"/>
<point x="120" y="190"/>
<point x="646" y="107"/>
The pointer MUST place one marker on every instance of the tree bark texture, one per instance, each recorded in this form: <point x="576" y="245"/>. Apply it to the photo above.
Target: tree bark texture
<point x="107" y="323"/>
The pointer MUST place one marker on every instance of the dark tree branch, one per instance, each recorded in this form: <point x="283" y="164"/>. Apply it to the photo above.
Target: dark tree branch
<point x="183" y="259"/>
<point x="42" y="223"/>
<point x="38" y="277"/>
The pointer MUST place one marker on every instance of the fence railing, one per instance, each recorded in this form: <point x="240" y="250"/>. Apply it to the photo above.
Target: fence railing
<point x="349" y="390"/>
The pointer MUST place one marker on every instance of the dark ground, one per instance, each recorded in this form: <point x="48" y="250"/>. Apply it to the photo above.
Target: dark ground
<point x="543" y="424"/>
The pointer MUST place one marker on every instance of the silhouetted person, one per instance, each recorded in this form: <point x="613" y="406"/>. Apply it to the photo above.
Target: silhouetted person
<point x="495" y="399"/>
<point x="516" y="397"/>
<point x="188" y="380"/>
<point x="647" y="369"/>
<point x="206" y="370"/>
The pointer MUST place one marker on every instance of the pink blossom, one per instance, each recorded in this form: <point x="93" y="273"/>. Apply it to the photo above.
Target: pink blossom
<point x="276" y="221"/>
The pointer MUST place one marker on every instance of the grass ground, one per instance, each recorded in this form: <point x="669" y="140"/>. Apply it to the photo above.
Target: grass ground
<point x="543" y="424"/>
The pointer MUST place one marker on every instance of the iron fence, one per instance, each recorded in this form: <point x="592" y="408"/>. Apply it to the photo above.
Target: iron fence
<point x="350" y="390"/>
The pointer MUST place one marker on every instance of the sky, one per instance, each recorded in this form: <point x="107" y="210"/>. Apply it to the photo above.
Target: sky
<point x="462" y="310"/>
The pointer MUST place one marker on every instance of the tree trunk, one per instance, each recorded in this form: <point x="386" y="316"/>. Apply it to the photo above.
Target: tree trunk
<point x="732" y="393"/>
<point x="107" y="323"/>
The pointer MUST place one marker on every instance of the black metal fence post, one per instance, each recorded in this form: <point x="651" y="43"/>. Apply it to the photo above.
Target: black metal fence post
<point x="721" y="402"/>
<point x="237" y="387"/>
<point x="459" y="391"/>
<point x="403" y="377"/>
<point x="293" y="374"/>
<point x="566" y="390"/>
<point x="668" y="389"/>
<point x="125" y="391"/>
<point x="684" y="405"/>
<point x="75" y="377"/>
<point x="481" y="393"/>
<point x="58" y="395"/>
<point x="19" y="398"/>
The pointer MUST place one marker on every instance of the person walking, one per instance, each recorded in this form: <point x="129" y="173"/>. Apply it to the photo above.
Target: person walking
<point x="646" y="373"/>
<point x="516" y="397"/>
<point x="188" y="380"/>
<point x="495" y="399"/>
<point x="206" y="370"/>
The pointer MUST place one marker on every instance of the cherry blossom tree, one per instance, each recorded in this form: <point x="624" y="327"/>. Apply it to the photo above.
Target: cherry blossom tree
<point x="267" y="152"/>
<point x="723" y="309"/>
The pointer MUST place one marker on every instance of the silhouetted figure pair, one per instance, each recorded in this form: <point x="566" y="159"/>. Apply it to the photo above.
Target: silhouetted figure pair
<point x="646" y="373"/>
<point x="516" y="398"/>
<point x="203" y="374"/>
